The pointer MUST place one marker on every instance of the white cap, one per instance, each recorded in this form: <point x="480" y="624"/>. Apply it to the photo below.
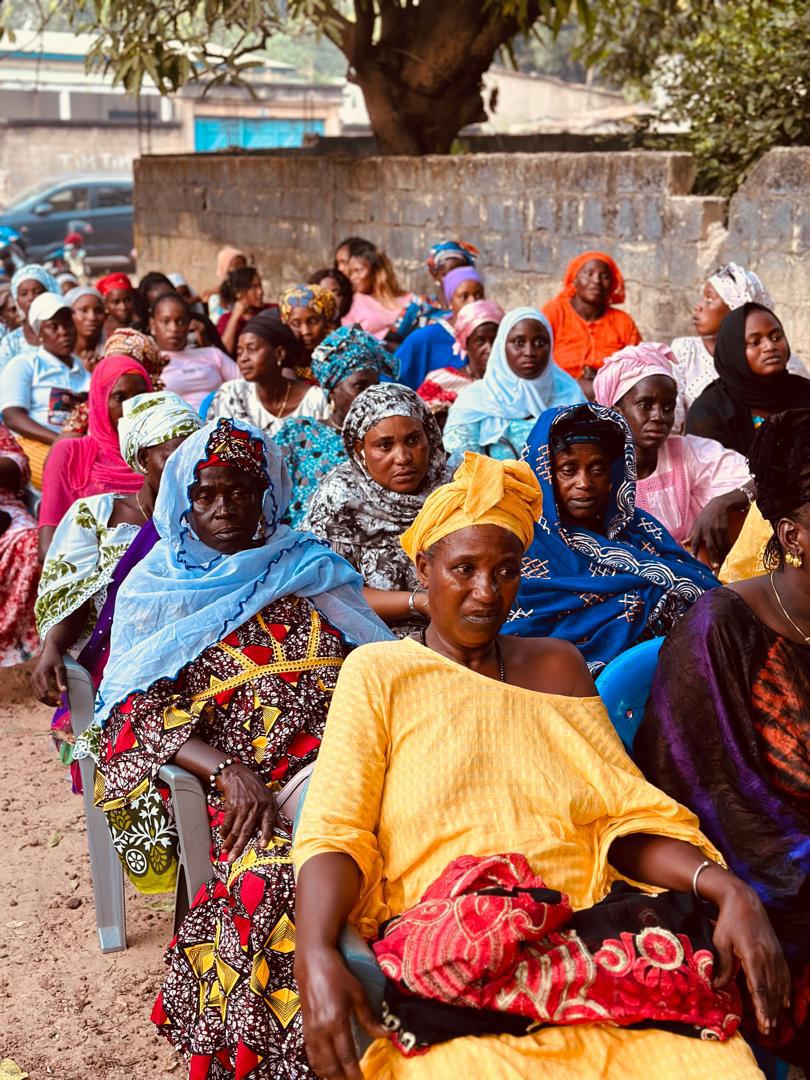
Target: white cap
<point x="44" y="307"/>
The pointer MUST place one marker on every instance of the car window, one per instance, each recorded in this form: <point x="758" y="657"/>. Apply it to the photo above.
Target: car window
<point x="112" y="196"/>
<point x="69" y="198"/>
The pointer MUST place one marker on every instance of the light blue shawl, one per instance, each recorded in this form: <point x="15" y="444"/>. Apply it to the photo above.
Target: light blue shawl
<point x="501" y="396"/>
<point x="184" y="596"/>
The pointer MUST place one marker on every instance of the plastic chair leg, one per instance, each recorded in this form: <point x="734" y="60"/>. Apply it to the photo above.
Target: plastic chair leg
<point x="106" y="869"/>
<point x="194" y="835"/>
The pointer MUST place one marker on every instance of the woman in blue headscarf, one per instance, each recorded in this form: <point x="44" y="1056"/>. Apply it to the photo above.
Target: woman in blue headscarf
<point x="28" y="283"/>
<point x="599" y="573"/>
<point x="495" y="415"/>
<point x="226" y="644"/>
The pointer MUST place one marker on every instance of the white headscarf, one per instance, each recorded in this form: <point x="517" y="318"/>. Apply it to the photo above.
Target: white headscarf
<point x="737" y="286"/>
<point x="502" y="396"/>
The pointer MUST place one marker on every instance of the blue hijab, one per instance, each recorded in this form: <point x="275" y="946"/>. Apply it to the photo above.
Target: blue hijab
<point x="184" y="596"/>
<point x="603" y="593"/>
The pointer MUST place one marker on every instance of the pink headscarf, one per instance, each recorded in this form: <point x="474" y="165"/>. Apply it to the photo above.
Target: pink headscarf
<point x="225" y="257"/>
<point x="96" y="464"/>
<point x="471" y="316"/>
<point x="621" y="371"/>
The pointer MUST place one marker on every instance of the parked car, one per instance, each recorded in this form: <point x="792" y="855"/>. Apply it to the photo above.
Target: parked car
<point x="98" y="207"/>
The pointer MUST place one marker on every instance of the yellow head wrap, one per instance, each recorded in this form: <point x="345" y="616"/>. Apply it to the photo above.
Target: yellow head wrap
<point x="484" y="491"/>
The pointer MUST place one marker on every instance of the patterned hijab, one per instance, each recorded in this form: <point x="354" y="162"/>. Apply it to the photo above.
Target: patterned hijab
<point x="502" y="396"/>
<point x="601" y="592"/>
<point x="352" y="509"/>
<point x="141" y="347"/>
<point x="737" y="286"/>
<point x="309" y="296"/>
<point x="347" y="350"/>
<point x="152" y="419"/>
<point x="184" y="596"/>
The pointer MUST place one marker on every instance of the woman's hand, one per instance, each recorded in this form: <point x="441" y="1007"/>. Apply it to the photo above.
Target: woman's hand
<point x="744" y="930"/>
<point x="712" y="525"/>
<point x="249" y="808"/>
<point x="49" y="678"/>
<point x="330" y="996"/>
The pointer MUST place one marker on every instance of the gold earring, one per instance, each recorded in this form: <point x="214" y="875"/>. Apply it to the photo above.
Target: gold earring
<point x="794" y="560"/>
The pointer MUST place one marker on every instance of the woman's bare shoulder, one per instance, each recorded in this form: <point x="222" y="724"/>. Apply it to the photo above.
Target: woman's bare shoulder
<point x="549" y="665"/>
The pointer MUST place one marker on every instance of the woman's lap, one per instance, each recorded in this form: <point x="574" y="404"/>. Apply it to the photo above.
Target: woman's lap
<point x="587" y="1052"/>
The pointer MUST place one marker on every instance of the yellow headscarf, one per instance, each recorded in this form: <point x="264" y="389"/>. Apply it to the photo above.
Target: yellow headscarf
<point x="484" y="491"/>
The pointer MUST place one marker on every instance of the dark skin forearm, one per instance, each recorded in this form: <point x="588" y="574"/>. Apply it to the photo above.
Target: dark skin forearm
<point x="742" y="929"/>
<point x="48" y="678"/>
<point x="392" y="607"/>
<point x="250" y="807"/>
<point x="44" y="542"/>
<point x="19" y="420"/>
<point x="327" y="891"/>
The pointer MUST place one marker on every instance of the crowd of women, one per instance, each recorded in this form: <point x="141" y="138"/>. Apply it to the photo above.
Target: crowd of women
<point x="399" y="536"/>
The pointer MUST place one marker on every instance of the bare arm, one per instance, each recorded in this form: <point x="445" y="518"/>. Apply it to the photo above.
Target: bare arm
<point x="18" y="420"/>
<point x="48" y="678"/>
<point x="249" y="804"/>
<point x="326" y="892"/>
<point x="743" y="928"/>
<point x="392" y="607"/>
<point x="45" y="537"/>
<point x="229" y="334"/>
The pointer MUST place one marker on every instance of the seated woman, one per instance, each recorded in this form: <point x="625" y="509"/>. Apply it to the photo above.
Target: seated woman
<point x="87" y="305"/>
<point x="457" y="748"/>
<point x="119" y="301"/>
<point x="92" y="464"/>
<point x="99" y="540"/>
<point x="244" y="292"/>
<point x="587" y="327"/>
<point x="39" y="390"/>
<point x="264" y="395"/>
<point x="10" y="317"/>
<point x="347" y="362"/>
<point x="190" y="373"/>
<point x="27" y="284"/>
<point x="19" y="560"/>
<point x="309" y="311"/>
<point x="600" y="572"/>
<point x="726" y="290"/>
<point x="495" y="415"/>
<point x="689" y="484"/>
<point x="475" y="328"/>
<point x="229" y="597"/>
<point x="751" y="356"/>
<point x="431" y="346"/>
<point x="228" y="258"/>
<point x="339" y="286"/>
<point x="447" y="255"/>
<point x="734" y="738"/>
<point x="379" y="299"/>
<point x="395" y="459"/>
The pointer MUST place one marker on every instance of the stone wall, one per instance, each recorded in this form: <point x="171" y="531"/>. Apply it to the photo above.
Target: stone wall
<point x="528" y="214"/>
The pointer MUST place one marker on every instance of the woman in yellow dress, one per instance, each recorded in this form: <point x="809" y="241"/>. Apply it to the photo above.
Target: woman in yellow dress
<point x="466" y="743"/>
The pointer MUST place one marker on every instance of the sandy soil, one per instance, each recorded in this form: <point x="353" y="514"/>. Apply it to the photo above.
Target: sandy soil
<point x="67" y="1010"/>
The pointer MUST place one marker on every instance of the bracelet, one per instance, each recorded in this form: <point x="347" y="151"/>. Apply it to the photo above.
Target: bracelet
<point x="414" y="610"/>
<point x="749" y="493"/>
<point x="697" y="873"/>
<point x="223" y="765"/>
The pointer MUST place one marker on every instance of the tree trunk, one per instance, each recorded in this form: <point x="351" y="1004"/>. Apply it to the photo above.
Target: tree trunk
<point x="422" y="78"/>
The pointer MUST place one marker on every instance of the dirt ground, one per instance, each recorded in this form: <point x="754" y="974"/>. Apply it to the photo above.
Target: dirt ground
<point x="67" y="1010"/>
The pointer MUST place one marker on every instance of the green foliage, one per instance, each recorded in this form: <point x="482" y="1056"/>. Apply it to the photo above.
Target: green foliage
<point x="733" y="74"/>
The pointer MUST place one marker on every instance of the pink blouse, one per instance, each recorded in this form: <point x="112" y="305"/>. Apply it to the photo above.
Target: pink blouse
<point x="691" y="471"/>
<point x="373" y="316"/>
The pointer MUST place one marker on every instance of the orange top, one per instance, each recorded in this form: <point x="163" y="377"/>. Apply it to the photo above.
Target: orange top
<point x="579" y="344"/>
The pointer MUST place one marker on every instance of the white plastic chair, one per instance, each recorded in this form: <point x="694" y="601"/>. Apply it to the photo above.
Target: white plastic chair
<point x="191" y="819"/>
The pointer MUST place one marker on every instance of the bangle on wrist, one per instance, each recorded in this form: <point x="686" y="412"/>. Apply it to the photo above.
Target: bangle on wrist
<point x="749" y="493"/>
<point x="706" y="863"/>
<point x="223" y="765"/>
<point x="414" y="610"/>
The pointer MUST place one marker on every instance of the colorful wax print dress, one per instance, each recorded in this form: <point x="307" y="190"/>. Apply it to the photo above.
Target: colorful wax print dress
<point x="230" y="1002"/>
